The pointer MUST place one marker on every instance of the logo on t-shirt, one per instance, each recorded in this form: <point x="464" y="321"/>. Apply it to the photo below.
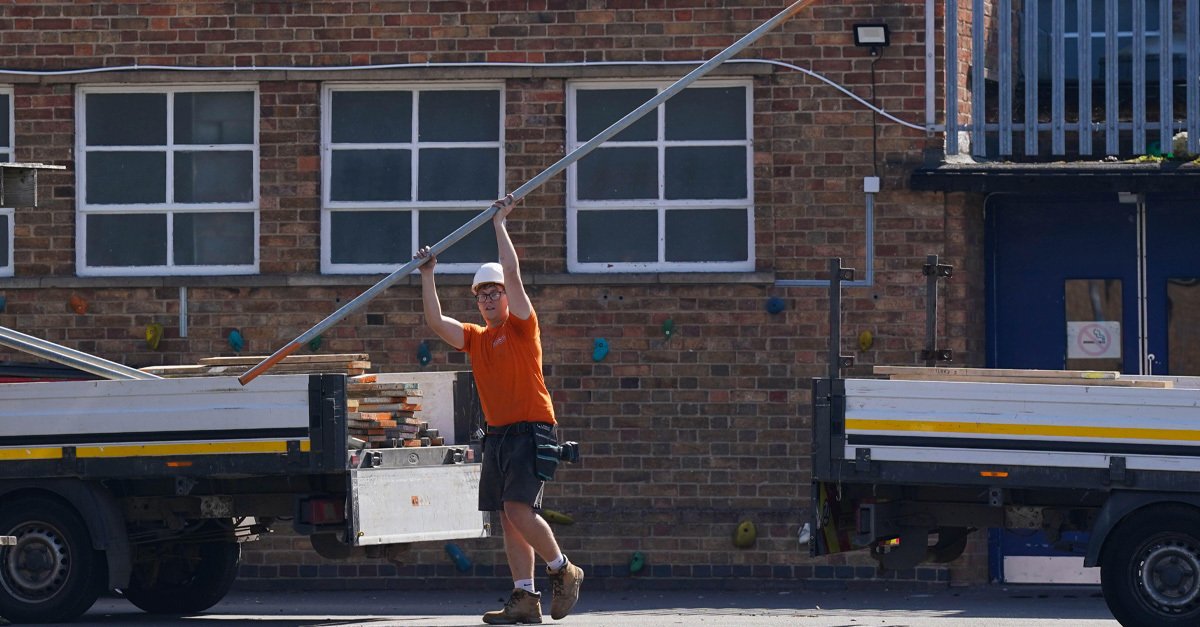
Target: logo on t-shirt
<point x="500" y="339"/>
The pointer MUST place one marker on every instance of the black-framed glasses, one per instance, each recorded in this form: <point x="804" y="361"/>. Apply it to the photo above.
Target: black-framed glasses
<point x="484" y="297"/>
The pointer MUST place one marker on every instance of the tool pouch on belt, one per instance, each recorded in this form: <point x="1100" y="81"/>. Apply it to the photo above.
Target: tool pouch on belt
<point x="545" y="450"/>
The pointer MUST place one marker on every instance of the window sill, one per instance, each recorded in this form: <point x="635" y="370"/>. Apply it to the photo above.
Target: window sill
<point x="344" y="280"/>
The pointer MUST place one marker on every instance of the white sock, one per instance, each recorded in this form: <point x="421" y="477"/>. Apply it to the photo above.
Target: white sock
<point x="557" y="563"/>
<point x="526" y="585"/>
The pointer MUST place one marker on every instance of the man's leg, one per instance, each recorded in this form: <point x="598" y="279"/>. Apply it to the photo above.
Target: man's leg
<point x="535" y="535"/>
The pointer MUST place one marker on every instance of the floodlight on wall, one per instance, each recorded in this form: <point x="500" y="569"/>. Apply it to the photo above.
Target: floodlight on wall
<point x="873" y="36"/>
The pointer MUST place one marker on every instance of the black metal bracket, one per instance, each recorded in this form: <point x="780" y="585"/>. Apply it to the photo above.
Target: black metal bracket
<point x="934" y="271"/>
<point x="1117" y="473"/>
<point x="862" y="460"/>
<point x="837" y="360"/>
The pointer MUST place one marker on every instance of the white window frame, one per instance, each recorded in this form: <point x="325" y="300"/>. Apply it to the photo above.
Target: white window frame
<point x="661" y="204"/>
<point x="83" y="209"/>
<point x="7" y="213"/>
<point x="414" y="206"/>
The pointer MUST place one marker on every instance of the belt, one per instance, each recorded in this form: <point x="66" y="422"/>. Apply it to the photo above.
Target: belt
<point x="518" y="427"/>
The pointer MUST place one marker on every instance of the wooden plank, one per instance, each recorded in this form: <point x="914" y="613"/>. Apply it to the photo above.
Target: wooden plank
<point x="939" y="371"/>
<point x="1039" y="380"/>
<point x="290" y="359"/>
<point x="372" y="388"/>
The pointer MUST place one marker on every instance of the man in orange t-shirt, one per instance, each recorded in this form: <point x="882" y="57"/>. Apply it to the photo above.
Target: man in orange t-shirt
<point x="506" y="357"/>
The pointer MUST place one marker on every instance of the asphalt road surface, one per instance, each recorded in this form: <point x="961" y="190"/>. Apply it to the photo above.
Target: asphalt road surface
<point x="985" y="606"/>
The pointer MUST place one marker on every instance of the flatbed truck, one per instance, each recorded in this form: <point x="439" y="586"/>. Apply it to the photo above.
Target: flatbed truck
<point x="907" y="468"/>
<point x="150" y="486"/>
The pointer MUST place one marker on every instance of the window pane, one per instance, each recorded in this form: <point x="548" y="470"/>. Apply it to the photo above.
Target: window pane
<point x="706" y="172"/>
<point x="126" y="119"/>
<point x="618" y="173"/>
<point x="371" y="175"/>
<point x="459" y="174"/>
<point x="371" y="117"/>
<point x="707" y="113"/>
<point x="617" y="236"/>
<point x="370" y="237"/>
<point x="214" y="176"/>
<point x="5" y="221"/>
<point x="126" y="177"/>
<point x="126" y="240"/>
<point x="706" y="235"/>
<point x="478" y="246"/>
<point x="597" y="109"/>
<point x="5" y="113"/>
<point x="214" y="239"/>
<point x="460" y="116"/>
<point x="222" y="117"/>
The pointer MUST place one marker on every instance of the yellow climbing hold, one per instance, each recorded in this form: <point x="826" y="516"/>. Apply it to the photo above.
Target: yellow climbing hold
<point x="866" y="340"/>
<point x="154" y="333"/>
<point x="744" y="535"/>
<point x="557" y="517"/>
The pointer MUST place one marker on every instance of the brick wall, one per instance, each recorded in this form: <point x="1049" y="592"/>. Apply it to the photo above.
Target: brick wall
<point x="683" y="437"/>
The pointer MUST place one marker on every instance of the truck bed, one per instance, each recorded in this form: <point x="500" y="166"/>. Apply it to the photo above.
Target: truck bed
<point x="209" y="426"/>
<point x="1016" y="434"/>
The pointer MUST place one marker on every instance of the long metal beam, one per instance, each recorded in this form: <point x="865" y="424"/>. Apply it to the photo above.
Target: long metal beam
<point x="69" y="356"/>
<point x="525" y="189"/>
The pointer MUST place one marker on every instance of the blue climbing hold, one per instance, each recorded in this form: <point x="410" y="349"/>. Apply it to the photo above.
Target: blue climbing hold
<point x="423" y="354"/>
<point x="461" y="562"/>
<point x="3" y="303"/>
<point x="236" y="341"/>
<point x="637" y="562"/>
<point x="775" y="305"/>
<point x="599" y="349"/>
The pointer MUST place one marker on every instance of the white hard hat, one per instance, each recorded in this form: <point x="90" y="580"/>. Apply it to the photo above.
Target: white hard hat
<point x="488" y="273"/>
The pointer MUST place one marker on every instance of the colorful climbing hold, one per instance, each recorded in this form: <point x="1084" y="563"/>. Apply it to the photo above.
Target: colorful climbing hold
<point x="599" y="349"/>
<point x="154" y="333"/>
<point x="775" y="305"/>
<point x="637" y="562"/>
<point x="668" y="328"/>
<point x="78" y="304"/>
<point x="461" y="562"/>
<point x="744" y="535"/>
<point x="314" y="344"/>
<point x="236" y="341"/>
<point x="557" y="517"/>
<point x="866" y="340"/>
<point x="423" y="354"/>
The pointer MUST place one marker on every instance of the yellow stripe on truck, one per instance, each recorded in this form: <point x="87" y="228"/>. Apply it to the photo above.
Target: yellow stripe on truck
<point x="189" y="448"/>
<point x="929" y="427"/>
<point x="9" y="454"/>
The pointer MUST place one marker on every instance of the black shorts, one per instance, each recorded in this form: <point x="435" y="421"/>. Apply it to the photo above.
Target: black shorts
<point x="508" y="472"/>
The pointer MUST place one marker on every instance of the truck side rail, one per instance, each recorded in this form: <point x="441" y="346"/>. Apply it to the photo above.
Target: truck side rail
<point x="206" y="426"/>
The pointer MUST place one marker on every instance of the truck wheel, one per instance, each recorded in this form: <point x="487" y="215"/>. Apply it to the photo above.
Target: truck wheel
<point x="53" y="574"/>
<point x="184" y="577"/>
<point x="1150" y="568"/>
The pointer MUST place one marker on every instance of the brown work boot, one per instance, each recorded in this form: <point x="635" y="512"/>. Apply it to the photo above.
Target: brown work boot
<point x="565" y="584"/>
<point x="521" y="608"/>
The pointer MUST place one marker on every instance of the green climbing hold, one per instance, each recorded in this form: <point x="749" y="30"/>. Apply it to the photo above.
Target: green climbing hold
<point x="423" y="353"/>
<point x="745" y="534"/>
<point x="314" y="344"/>
<point x="236" y="341"/>
<point x="637" y="562"/>
<point x="668" y="328"/>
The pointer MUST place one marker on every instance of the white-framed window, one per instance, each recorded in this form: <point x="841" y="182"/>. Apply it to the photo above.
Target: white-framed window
<point x="167" y="180"/>
<point x="7" y="138"/>
<point x="405" y="165"/>
<point x="673" y="192"/>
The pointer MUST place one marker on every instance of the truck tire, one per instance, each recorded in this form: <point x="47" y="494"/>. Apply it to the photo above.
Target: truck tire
<point x="52" y="574"/>
<point x="1150" y="568"/>
<point x="184" y="577"/>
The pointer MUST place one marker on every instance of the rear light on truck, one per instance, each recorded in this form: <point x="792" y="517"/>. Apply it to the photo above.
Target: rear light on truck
<point x="997" y="474"/>
<point x="323" y="512"/>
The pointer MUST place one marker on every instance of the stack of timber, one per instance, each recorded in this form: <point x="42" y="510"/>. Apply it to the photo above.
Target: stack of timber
<point x="1009" y="375"/>
<point x="384" y="414"/>
<point x="351" y="364"/>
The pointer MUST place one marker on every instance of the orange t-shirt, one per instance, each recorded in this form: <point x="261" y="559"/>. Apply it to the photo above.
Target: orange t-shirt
<point x="507" y="361"/>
